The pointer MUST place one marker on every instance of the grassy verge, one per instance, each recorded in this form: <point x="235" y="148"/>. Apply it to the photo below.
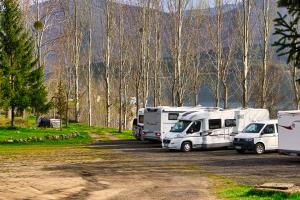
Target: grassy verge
<point x="33" y="132"/>
<point x="227" y="189"/>
<point x="26" y="129"/>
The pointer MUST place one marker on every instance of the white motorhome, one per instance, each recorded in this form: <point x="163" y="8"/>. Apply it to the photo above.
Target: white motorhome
<point x="138" y="125"/>
<point x="159" y="120"/>
<point x="210" y="128"/>
<point x="258" y="136"/>
<point x="289" y="132"/>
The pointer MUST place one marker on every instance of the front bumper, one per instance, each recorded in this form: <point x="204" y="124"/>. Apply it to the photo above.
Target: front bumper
<point x="170" y="144"/>
<point x="242" y="144"/>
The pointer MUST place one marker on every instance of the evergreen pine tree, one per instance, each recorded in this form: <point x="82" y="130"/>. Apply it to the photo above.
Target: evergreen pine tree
<point x="286" y="28"/>
<point x="21" y="84"/>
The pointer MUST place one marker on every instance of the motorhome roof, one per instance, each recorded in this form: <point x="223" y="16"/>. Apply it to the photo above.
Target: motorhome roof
<point x="169" y="108"/>
<point x="205" y="113"/>
<point x="289" y="112"/>
<point x="273" y="121"/>
<point x="183" y="108"/>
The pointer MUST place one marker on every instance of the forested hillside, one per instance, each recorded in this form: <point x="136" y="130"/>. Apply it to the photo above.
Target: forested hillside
<point x="150" y="54"/>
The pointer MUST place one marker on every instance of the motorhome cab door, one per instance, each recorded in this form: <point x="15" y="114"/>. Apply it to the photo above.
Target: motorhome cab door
<point x="269" y="136"/>
<point x="194" y="133"/>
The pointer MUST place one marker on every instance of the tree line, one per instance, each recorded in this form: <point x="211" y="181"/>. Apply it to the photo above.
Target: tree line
<point x="114" y="57"/>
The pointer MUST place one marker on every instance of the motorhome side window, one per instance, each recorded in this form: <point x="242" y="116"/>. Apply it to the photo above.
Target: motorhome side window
<point x="141" y="119"/>
<point x="269" y="129"/>
<point x="173" y="116"/>
<point x="214" y="123"/>
<point x="196" y="126"/>
<point x="230" y="123"/>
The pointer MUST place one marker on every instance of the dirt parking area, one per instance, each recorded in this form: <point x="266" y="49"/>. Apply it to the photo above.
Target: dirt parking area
<point x="131" y="170"/>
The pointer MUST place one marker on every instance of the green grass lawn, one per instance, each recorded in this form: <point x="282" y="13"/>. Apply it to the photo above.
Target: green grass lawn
<point x="227" y="189"/>
<point x="26" y="129"/>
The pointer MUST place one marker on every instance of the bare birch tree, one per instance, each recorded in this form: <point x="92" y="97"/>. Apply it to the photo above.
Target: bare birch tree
<point x="107" y="62"/>
<point x="76" y="60"/>
<point x="157" y="68"/>
<point x="121" y="63"/>
<point x="90" y="54"/>
<point x="246" y="21"/>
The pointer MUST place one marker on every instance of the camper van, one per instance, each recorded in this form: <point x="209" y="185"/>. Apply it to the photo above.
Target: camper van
<point x="138" y="125"/>
<point x="159" y="120"/>
<point x="210" y="128"/>
<point x="258" y="136"/>
<point x="289" y="132"/>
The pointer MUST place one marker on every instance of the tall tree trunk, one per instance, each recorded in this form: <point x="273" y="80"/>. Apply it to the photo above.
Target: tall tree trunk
<point x="107" y="64"/>
<point x="295" y="87"/>
<point x="157" y="55"/>
<point x="89" y="70"/>
<point x="121" y="40"/>
<point x="265" y="52"/>
<point x="159" y="95"/>
<point x="225" y="95"/>
<point x="125" y="106"/>
<point x="12" y="121"/>
<point x="247" y="9"/>
<point x="38" y="42"/>
<point x="76" y="59"/>
<point x="144" y="49"/>
<point x="137" y="100"/>
<point x="195" y="85"/>
<point x="219" y="3"/>
<point x="178" y="85"/>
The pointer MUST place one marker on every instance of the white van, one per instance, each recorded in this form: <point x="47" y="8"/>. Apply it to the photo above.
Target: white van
<point x="138" y="125"/>
<point x="289" y="132"/>
<point x="210" y="128"/>
<point x="259" y="136"/>
<point x="159" y="120"/>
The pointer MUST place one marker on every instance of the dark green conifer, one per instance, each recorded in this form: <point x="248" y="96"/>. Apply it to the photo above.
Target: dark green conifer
<point x="21" y="83"/>
<point x="286" y="28"/>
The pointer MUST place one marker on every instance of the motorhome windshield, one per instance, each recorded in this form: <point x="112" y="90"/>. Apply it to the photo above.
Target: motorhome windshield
<point x="180" y="126"/>
<point x="253" y="128"/>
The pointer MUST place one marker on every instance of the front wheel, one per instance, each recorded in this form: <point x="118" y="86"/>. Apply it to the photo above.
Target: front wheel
<point x="186" y="147"/>
<point x="259" y="148"/>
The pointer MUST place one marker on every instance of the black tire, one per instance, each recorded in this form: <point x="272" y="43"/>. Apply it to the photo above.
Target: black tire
<point x="186" y="146"/>
<point x="259" y="148"/>
<point x="240" y="151"/>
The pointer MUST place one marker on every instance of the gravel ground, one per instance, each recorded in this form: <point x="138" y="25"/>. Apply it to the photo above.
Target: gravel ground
<point x="132" y="170"/>
<point x="248" y="168"/>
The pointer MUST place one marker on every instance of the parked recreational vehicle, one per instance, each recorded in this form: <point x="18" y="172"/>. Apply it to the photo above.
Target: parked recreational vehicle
<point x="210" y="128"/>
<point x="289" y="132"/>
<point x="138" y="125"/>
<point x="159" y="120"/>
<point x="258" y="136"/>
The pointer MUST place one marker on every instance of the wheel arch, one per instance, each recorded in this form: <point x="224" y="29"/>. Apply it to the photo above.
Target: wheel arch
<point x="186" y="141"/>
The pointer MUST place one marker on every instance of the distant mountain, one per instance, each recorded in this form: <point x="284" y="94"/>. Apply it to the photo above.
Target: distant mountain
<point x="229" y="11"/>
